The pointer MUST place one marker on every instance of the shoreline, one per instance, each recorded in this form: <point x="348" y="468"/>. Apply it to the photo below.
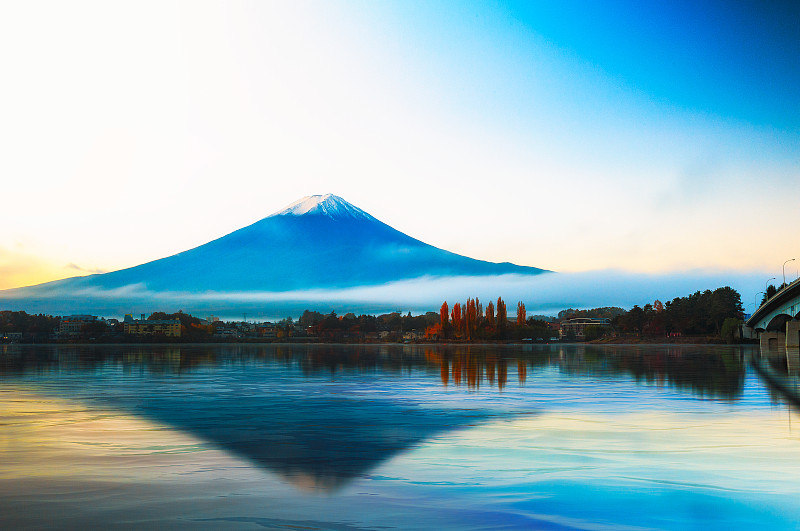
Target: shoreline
<point x="685" y="341"/>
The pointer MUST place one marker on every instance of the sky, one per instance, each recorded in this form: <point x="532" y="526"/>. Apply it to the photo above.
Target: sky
<point x="646" y="137"/>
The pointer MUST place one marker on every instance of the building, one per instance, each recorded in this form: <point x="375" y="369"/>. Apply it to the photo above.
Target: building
<point x="576" y="328"/>
<point x="267" y="331"/>
<point x="144" y="327"/>
<point x="227" y="331"/>
<point x="413" y="335"/>
<point x="72" y="325"/>
<point x="11" y="337"/>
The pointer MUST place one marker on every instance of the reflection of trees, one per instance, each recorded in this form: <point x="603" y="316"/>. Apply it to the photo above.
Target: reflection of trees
<point x="53" y="359"/>
<point x="706" y="371"/>
<point x="472" y="365"/>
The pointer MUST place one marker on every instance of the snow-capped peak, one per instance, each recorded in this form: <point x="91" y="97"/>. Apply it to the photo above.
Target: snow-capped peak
<point x="328" y="205"/>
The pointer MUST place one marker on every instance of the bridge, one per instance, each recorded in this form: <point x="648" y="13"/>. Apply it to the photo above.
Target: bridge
<point x="777" y="321"/>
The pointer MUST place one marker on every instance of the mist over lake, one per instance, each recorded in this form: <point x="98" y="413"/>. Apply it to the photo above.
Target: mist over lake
<point x="547" y="293"/>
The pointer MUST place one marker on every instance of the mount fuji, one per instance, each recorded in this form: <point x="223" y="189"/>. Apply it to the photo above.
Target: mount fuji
<point x="319" y="242"/>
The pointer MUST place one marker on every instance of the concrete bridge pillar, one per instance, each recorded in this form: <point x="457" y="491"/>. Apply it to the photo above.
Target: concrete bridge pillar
<point x="772" y="341"/>
<point x="792" y="334"/>
<point x="793" y="360"/>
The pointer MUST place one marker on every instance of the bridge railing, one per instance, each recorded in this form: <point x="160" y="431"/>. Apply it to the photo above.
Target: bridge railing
<point x="777" y="293"/>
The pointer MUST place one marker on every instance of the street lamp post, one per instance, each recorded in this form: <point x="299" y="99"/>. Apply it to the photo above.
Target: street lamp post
<point x="784" y="270"/>
<point x="756" y="298"/>
<point x="766" y="296"/>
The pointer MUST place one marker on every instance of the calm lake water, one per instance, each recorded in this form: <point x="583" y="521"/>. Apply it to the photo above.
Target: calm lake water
<point x="384" y="437"/>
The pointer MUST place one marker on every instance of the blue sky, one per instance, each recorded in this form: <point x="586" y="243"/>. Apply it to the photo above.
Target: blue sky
<point x="734" y="60"/>
<point x="572" y="136"/>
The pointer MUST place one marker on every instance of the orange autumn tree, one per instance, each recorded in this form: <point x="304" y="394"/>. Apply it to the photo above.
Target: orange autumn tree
<point x="470" y="319"/>
<point x="490" y="317"/>
<point x="455" y="317"/>
<point x="434" y="331"/>
<point x="478" y="317"/>
<point x="444" y="311"/>
<point x="520" y="314"/>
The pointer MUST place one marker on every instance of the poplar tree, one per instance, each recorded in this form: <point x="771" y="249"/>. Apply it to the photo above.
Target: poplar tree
<point x="490" y="314"/>
<point x="455" y="317"/>
<point x="444" y="311"/>
<point x="502" y="318"/>
<point x="470" y="318"/>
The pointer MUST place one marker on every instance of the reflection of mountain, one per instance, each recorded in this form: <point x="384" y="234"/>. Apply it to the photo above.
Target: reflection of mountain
<point x="281" y="407"/>
<point x="314" y="442"/>
<point x="312" y="434"/>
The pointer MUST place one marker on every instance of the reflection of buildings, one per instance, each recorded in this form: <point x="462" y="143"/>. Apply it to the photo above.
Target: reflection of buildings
<point x="576" y="328"/>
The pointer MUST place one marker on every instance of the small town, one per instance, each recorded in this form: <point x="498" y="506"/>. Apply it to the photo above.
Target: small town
<point x="311" y="326"/>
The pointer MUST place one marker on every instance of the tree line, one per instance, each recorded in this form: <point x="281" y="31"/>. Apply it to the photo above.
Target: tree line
<point x="33" y="327"/>
<point x="710" y="313"/>
<point x="351" y="327"/>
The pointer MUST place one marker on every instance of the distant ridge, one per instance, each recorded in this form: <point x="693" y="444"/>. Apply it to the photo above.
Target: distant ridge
<point x="318" y="242"/>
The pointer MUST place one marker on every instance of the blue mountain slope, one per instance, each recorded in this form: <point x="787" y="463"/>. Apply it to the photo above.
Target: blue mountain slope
<point x="319" y="242"/>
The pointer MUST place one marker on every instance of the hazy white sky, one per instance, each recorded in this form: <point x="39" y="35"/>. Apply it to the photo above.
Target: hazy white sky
<point x="132" y="131"/>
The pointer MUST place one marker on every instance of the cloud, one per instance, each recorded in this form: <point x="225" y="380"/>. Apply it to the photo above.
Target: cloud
<point x="76" y="267"/>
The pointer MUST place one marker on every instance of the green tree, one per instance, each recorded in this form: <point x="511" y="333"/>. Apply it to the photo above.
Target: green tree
<point x="592" y="332"/>
<point x="729" y="329"/>
<point x="771" y="291"/>
<point x="94" y="330"/>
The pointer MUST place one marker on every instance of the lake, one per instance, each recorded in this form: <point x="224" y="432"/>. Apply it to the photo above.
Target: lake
<point x="393" y="437"/>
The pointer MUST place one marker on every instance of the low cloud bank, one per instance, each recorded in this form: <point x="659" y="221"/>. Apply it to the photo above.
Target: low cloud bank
<point x="542" y="294"/>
